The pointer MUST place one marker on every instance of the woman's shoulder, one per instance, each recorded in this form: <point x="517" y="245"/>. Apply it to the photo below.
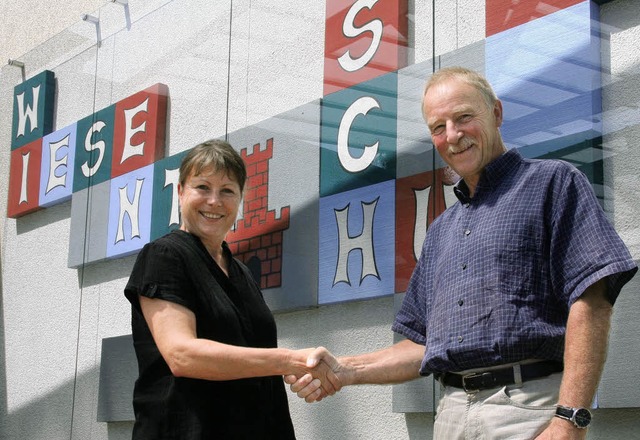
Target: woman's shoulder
<point x="173" y="245"/>
<point x="172" y="240"/>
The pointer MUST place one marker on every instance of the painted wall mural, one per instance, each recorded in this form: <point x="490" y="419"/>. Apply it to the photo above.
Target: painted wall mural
<point x="341" y="190"/>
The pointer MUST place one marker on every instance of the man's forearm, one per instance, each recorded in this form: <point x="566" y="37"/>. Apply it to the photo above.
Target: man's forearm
<point x="395" y="364"/>
<point x="585" y="346"/>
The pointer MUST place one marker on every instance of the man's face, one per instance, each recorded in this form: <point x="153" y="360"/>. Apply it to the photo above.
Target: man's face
<point x="463" y="128"/>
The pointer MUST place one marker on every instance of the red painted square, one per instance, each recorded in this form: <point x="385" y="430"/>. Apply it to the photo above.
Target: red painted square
<point x="406" y="217"/>
<point x="363" y="40"/>
<point x="506" y="14"/>
<point x="24" y="179"/>
<point x="139" y="129"/>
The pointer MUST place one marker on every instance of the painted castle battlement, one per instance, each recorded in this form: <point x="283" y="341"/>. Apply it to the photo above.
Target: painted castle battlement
<point x="257" y="237"/>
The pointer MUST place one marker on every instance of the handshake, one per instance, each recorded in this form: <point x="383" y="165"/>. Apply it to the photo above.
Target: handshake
<point x="322" y="376"/>
<point x="318" y="374"/>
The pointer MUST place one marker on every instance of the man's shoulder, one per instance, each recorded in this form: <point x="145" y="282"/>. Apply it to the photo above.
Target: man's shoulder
<point x="548" y="164"/>
<point x="550" y="171"/>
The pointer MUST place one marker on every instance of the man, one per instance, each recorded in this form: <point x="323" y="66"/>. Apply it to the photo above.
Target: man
<point x="510" y="303"/>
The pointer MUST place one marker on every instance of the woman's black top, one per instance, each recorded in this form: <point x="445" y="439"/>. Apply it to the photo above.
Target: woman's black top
<point x="231" y="310"/>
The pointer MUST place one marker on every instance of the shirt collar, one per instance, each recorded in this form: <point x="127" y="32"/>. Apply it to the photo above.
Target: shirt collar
<point x="491" y="176"/>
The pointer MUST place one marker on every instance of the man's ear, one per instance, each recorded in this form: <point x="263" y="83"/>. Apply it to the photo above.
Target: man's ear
<point x="497" y="112"/>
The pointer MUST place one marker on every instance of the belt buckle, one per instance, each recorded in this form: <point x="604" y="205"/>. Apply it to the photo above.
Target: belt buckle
<point x="473" y="376"/>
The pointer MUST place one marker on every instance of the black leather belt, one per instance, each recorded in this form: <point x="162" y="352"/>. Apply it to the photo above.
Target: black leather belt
<point x="499" y="377"/>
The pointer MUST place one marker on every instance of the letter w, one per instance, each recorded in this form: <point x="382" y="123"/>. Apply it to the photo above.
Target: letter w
<point x="29" y="113"/>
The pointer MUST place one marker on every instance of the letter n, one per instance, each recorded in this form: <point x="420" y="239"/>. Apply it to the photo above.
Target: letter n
<point x="130" y="208"/>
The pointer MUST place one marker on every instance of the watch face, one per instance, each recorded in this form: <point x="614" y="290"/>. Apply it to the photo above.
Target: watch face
<point x="582" y="418"/>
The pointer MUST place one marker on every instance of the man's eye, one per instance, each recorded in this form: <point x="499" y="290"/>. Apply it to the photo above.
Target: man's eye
<point x="437" y="130"/>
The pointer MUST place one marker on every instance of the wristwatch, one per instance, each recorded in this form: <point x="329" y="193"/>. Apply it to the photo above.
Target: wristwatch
<point x="581" y="417"/>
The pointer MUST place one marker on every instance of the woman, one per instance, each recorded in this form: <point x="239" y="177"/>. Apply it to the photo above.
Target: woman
<point x="204" y="338"/>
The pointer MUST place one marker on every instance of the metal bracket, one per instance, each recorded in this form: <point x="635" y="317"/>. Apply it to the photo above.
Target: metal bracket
<point x="127" y="15"/>
<point x="19" y="64"/>
<point x="96" y="21"/>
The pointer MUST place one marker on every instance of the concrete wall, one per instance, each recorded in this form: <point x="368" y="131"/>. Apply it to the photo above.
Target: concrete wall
<point x="54" y="319"/>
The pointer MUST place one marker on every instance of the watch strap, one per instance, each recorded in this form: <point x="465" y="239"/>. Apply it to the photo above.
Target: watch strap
<point x="580" y="417"/>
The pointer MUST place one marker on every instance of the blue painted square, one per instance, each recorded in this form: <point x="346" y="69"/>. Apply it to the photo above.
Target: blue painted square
<point x="357" y="239"/>
<point x="56" y="175"/>
<point x="130" y="212"/>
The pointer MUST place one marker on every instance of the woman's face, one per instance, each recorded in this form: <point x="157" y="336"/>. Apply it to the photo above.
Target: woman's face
<point x="209" y="204"/>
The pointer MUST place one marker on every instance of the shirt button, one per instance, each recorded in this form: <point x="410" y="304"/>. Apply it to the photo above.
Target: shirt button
<point x="467" y="232"/>
<point x="460" y="302"/>
<point x="460" y="339"/>
<point x="463" y="266"/>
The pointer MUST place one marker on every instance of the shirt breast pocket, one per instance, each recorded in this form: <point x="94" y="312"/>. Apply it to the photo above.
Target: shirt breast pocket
<point x="512" y="264"/>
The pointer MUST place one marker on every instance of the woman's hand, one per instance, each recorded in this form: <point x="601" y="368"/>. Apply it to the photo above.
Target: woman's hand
<point x="322" y="380"/>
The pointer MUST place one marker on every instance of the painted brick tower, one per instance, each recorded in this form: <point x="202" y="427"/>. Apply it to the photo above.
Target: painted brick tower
<point x="257" y="237"/>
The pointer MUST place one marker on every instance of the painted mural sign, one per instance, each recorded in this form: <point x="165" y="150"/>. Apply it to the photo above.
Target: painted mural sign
<point x="356" y="231"/>
<point x="381" y="184"/>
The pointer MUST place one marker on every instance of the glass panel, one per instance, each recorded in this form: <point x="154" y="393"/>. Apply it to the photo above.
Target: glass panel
<point x="40" y="297"/>
<point x="324" y="101"/>
<point x="568" y="92"/>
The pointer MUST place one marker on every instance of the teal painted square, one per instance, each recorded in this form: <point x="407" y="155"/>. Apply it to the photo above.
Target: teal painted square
<point x="357" y="122"/>
<point x="42" y="86"/>
<point x="165" y="212"/>
<point x="93" y="164"/>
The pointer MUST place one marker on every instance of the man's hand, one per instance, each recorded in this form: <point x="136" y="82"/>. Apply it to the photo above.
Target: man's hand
<point x="323" y="380"/>
<point x="395" y="364"/>
<point x="585" y="352"/>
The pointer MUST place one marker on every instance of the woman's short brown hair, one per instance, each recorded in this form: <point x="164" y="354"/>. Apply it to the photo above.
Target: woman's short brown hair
<point x="217" y="155"/>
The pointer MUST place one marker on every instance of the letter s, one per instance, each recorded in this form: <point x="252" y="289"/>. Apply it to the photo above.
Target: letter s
<point x="346" y="61"/>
